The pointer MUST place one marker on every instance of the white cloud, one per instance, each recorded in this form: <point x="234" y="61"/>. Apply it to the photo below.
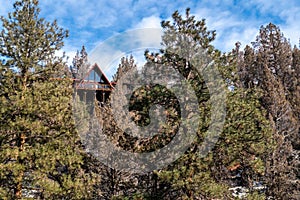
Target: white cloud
<point x="229" y="27"/>
<point x="244" y="36"/>
<point x="108" y="53"/>
<point x="149" y="22"/>
<point x="91" y="21"/>
<point x="242" y="24"/>
<point x="69" y="55"/>
<point x="6" y="6"/>
<point x="146" y="34"/>
<point x="288" y="14"/>
<point x="292" y="28"/>
<point x="266" y="6"/>
<point x="87" y="13"/>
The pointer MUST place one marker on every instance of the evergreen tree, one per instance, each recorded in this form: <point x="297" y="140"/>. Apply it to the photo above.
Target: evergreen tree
<point x="240" y="154"/>
<point x="80" y="64"/>
<point x="246" y="131"/>
<point x="294" y="90"/>
<point x="126" y="65"/>
<point x="270" y="66"/>
<point x="39" y="148"/>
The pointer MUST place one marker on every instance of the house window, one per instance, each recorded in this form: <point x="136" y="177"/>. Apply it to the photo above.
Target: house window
<point x="93" y="76"/>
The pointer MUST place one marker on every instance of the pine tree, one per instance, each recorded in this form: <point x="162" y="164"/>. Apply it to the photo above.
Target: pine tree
<point x="295" y="87"/>
<point x="270" y="67"/>
<point x="126" y="65"/>
<point x="39" y="148"/>
<point x="88" y="117"/>
<point x="240" y="154"/>
<point x="240" y="157"/>
<point x="80" y="64"/>
<point x="245" y="128"/>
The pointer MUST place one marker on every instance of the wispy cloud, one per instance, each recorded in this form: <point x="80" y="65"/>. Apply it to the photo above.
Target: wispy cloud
<point x="91" y="22"/>
<point x="109" y="52"/>
<point x="5" y="7"/>
<point x="284" y="14"/>
<point x="149" y="22"/>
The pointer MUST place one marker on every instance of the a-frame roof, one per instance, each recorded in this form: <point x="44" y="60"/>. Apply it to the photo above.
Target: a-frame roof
<point x="100" y="73"/>
<point x="94" y="76"/>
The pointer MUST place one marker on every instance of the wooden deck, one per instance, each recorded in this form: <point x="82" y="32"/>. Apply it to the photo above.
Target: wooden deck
<point x="90" y="85"/>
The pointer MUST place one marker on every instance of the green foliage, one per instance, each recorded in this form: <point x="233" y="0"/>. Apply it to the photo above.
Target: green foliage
<point x="80" y="64"/>
<point x="39" y="147"/>
<point x="271" y="67"/>
<point x="256" y="196"/>
<point x="40" y="152"/>
<point x="246" y="137"/>
<point x="126" y="65"/>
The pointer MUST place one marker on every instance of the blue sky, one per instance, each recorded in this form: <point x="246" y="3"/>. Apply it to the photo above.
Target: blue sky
<point x="91" y="22"/>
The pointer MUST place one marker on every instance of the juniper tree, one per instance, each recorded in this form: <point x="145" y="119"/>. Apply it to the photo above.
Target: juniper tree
<point x="39" y="147"/>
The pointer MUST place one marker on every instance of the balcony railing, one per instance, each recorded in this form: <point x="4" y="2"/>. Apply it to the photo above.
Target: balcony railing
<point x="91" y="85"/>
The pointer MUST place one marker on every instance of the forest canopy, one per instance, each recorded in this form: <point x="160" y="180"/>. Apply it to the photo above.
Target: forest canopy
<point x="42" y="155"/>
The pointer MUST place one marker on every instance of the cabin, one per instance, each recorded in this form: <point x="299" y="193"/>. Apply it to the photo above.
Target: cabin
<point x="94" y="84"/>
